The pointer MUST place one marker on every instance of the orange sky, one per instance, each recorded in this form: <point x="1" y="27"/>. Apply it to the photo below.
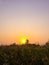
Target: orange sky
<point x="24" y="18"/>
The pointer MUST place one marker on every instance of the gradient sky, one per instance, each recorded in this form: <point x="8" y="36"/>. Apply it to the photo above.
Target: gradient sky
<point x="19" y="18"/>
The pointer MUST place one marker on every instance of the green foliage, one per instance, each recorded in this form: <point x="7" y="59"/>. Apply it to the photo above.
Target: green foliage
<point x="24" y="55"/>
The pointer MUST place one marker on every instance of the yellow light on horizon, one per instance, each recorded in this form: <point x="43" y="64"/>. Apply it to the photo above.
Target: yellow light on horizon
<point x="23" y="41"/>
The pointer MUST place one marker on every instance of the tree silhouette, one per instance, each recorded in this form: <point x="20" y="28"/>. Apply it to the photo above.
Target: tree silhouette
<point x="27" y="41"/>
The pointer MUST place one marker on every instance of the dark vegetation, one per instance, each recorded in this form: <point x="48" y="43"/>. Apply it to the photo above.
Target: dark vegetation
<point x="29" y="54"/>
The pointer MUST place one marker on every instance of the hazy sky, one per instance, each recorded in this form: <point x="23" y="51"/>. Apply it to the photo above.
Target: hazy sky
<point x="19" y="18"/>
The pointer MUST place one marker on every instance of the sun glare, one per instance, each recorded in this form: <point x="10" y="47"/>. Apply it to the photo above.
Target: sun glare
<point x="23" y="41"/>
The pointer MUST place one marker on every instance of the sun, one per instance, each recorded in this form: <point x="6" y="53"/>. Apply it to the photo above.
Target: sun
<point x="23" y="41"/>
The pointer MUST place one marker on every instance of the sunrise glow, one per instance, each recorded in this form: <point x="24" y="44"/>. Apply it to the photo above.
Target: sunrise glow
<point x="23" y="41"/>
<point x="20" y="18"/>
